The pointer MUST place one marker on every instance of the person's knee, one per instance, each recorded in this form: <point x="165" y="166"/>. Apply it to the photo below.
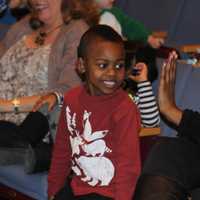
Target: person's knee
<point x="150" y="187"/>
<point x="160" y="156"/>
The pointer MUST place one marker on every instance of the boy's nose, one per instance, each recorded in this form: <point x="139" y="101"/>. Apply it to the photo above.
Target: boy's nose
<point x="111" y="71"/>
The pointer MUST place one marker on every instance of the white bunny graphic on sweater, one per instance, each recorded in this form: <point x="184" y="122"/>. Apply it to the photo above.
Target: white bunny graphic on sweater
<point x="93" y="166"/>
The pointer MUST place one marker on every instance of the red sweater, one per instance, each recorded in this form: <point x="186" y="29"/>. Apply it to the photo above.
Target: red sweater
<point x="97" y="138"/>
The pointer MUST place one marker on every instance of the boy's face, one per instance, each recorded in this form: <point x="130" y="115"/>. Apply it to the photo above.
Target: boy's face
<point x="104" y="66"/>
<point x="105" y="3"/>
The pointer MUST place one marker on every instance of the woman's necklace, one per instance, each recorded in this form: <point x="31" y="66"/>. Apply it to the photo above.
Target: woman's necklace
<point x="41" y="36"/>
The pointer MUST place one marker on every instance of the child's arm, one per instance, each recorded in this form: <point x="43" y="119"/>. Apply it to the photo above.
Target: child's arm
<point x="127" y="152"/>
<point x="60" y="163"/>
<point x="131" y="29"/>
<point x="145" y="98"/>
<point x="155" y="42"/>
<point x="135" y="30"/>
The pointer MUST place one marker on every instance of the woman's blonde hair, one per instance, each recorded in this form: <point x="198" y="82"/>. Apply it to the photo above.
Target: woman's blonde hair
<point x="71" y="9"/>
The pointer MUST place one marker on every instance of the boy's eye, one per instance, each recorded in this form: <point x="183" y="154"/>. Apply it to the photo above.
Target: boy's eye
<point x="119" y="65"/>
<point x="102" y="65"/>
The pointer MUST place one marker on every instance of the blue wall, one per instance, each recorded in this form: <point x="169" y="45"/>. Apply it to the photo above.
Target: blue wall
<point x="180" y="18"/>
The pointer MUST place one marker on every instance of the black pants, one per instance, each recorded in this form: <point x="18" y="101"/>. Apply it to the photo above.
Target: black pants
<point x="66" y="194"/>
<point x="171" y="171"/>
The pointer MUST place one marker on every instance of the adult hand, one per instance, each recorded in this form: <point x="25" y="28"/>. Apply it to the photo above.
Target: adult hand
<point x="50" y="99"/>
<point x="142" y="73"/>
<point x="155" y="42"/>
<point x="166" y="89"/>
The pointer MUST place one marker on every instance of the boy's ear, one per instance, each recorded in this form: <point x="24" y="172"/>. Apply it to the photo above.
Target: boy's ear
<point x="80" y="66"/>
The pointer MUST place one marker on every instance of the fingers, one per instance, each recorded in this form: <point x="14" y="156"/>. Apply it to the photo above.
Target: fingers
<point x="49" y="99"/>
<point x="38" y="104"/>
<point x="42" y="100"/>
<point x="172" y="66"/>
<point x="140" y="65"/>
<point x="158" y="43"/>
<point x="168" y="73"/>
<point x="50" y="107"/>
<point x="161" y="41"/>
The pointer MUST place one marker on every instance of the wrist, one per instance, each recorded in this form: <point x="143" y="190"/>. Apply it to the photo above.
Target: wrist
<point x="16" y="103"/>
<point x="59" y="97"/>
<point x="173" y="114"/>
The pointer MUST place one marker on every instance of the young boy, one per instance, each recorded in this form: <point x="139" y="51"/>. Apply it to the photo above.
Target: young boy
<point x="97" y="136"/>
<point x="133" y="30"/>
<point x="124" y="25"/>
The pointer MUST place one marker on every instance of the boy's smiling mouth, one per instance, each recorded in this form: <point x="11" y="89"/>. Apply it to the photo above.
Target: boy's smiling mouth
<point x="110" y="83"/>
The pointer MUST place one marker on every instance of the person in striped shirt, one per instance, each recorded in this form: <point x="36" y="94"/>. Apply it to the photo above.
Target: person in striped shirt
<point x="144" y="96"/>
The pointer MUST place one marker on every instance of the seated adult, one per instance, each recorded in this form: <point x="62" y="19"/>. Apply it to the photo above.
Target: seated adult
<point x="37" y="56"/>
<point x="171" y="170"/>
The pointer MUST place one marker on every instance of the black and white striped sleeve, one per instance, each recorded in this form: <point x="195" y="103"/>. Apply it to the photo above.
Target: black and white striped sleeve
<point x="147" y="105"/>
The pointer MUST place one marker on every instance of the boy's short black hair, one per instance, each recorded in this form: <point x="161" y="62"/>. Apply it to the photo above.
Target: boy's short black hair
<point x="101" y="31"/>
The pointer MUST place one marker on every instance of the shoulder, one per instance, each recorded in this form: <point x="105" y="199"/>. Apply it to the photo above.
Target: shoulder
<point x="76" y="26"/>
<point x="73" y="93"/>
<point x="110" y="19"/>
<point x="123" y="101"/>
<point x="108" y="16"/>
<point x="126" y="106"/>
<point x="69" y="37"/>
<point x="22" y="24"/>
<point x="16" y="32"/>
<point x="72" y="31"/>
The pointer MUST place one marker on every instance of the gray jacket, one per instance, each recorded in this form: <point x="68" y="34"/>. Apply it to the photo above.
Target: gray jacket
<point x="61" y="69"/>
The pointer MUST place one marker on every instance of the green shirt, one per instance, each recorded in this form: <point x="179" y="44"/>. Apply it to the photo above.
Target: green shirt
<point x="131" y="29"/>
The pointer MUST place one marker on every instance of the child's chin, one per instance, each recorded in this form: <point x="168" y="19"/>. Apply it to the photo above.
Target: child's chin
<point x="107" y="92"/>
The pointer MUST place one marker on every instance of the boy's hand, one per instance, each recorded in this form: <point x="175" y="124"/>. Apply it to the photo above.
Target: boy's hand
<point x="142" y="73"/>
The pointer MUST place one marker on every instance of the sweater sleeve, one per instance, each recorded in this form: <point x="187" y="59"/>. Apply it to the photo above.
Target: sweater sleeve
<point x="127" y="155"/>
<point x="131" y="28"/>
<point x="62" y="71"/>
<point x="60" y="164"/>
<point x="189" y="125"/>
<point x="147" y="105"/>
<point x="109" y="19"/>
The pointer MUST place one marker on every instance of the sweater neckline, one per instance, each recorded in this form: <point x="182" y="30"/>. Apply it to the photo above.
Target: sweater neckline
<point x="100" y="98"/>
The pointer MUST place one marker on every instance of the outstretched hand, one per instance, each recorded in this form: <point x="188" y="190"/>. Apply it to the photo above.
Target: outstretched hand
<point x="50" y="99"/>
<point x="166" y="98"/>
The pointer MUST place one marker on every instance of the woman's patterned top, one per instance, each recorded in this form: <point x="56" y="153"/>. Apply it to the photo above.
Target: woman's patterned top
<point x="23" y="72"/>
